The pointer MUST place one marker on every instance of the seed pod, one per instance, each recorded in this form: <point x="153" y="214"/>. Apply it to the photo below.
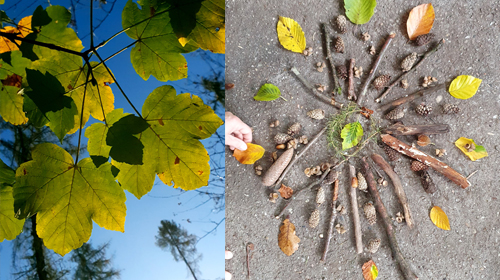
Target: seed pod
<point x="320" y="196"/>
<point x="314" y="219"/>
<point x="424" y="39"/>
<point x="342" y="72"/>
<point x="362" y="186"/>
<point x="408" y="62"/>
<point x="317" y="114"/>
<point x="365" y="36"/>
<point x="294" y="129"/>
<point x="280" y="146"/>
<point x="373" y="245"/>
<point x="418" y="166"/>
<point x="423" y="109"/>
<point x="370" y="213"/>
<point x="396" y="114"/>
<point x="277" y="168"/>
<point x="427" y="182"/>
<point x="423" y="140"/>
<point x="381" y="81"/>
<point x="341" y="23"/>
<point x="451" y="109"/>
<point x="282" y="138"/>
<point x="339" y="45"/>
<point x="391" y="153"/>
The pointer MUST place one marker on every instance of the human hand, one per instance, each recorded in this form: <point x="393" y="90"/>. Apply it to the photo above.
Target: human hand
<point x="237" y="133"/>
<point x="229" y="255"/>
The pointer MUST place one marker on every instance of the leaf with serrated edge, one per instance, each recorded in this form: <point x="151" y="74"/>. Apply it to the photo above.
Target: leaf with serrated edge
<point x="267" y="92"/>
<point x="359" y="11"/>
<point x="352" y="134"/>
<point x="10" y="227"/>
<point x="66" y="197"/>
<point x="249" y="156"/>
<point x="478" y="153"/>
<point x="439" y="218"/>
<point x="420" y="21"/>
<point x="97" y="133"/>
<point x="290" y="35"/>
<point x="464" y="86"/>
<point x="287" y="240"/>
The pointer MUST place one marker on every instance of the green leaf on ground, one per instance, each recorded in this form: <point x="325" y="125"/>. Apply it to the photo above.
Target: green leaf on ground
<point x="359" y="11"/>
<point x="67" y="197"/>
<point x="352" y="134"/>
<point x="10" y="227"/>
<point x="268" y="92"/>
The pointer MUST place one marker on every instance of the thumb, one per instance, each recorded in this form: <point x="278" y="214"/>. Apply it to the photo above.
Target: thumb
<point x="235" y="142"/>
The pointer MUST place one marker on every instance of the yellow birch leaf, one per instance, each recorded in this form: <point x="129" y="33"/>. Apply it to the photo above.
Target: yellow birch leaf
<point x="249" y="156"/>
<point x="469" y="148"/>
<point x="370" y="270"/>
<point x="464" y="86"/>
<point x="287" y="240"/>
<point x="290" y="35"/>
<point x="439" y="218"/>
<point x="420" y="21"/>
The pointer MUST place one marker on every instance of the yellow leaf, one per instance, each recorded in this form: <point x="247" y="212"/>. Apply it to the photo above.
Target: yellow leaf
<point x="464" y="86"/>
<point x="287" y="240"/>
<point x="290" y="35"/>
<point x="469" y="148"/>
<point x="252" y="154"/>
<point x="439" y="218"/>
<point x="370" y="270"/>
<point x="22" y="30"/>
<point x="420" y="21"/>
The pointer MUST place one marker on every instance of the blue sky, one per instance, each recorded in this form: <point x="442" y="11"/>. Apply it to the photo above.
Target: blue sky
<point x="134" y="252"/>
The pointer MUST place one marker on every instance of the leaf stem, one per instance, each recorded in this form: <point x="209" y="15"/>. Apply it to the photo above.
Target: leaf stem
<point x="81" y="116"/>
<point x="283" y="98"/>
<point x="116" y="53"/>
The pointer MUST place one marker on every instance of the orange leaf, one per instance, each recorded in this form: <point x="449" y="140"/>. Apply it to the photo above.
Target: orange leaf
<point x="285" y="191"/>
<point x="287" y="240"/>
<point x="249" y="156"/>
<point x="22" y="30"/>
<point x="370" y="270"/>
<point x="420" y="21"/>
<point x="439" y="218"/>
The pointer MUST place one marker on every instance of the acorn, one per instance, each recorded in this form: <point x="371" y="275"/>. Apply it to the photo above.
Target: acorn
<point x="370" y="213"/>
<point x="282" y="138"/>
<point x="342" y="72"/>
<point x="314" y="219"/>
<point x="373" y="245"/>
<point x="391" y="153"/>
<point x="320" y="196"/>
<point x="381" y="81"/>
<point x="362" y="186"/>
<point x="341" y="23"/>
<point x="339" y="45"/>
<point x="418" y="166"/>
<point x="427" y="182"/>
<point x="424" y="39"/>
<point x="317" y="114"/>
<point x="451" y="109"/>
<point x="408" y="62"/>
<point x="294" y="129"/>
<point x="423" y="109"/>
<point x="396" y="114"/>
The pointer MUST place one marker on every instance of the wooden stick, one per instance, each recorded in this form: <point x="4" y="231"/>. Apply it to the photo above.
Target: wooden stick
<point x="350" y="92"/>
<point x="398" y="187"/>
<point x="436" y="164"/>
<point x="337" y="89"/>
<point x="374" y="68"/>
<point x="401" y="129"/>
<point x="317" y="94"/>
<point x="410" y="97"/>
<point x="424" y="56"/>
<point x="355" y="213"/>
<point x="393" y="243"/>
<point x="332" y="219"/>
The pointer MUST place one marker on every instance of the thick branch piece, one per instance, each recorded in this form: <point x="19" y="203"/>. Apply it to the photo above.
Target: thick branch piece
<point x="436" y="164"/>
<point x="398" y="187"/>
<point x="410" y="97"/>
<point x="311" y="88"/>
<point x="332" y="219"/>
<point x="427" y="54"/>
<point x="350" y="92"/>
<point x="400" y="129"/>
<point x="374" y="68"/>
<point x="393" y="243"/>
<point x="355" y="213"/>
<point x="337" y="89"/>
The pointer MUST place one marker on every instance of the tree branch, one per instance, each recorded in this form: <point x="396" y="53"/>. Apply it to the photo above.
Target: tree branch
<point x="332" y="219"/>
<point x="410" y="97"/>
<point x="355" y="214"/>
<point x="337" y="89"/>
<point x="427" y="129"/>
<point x="351" y="95"/>
<point x="311" y="88"/>
<point x="13" y="37"/>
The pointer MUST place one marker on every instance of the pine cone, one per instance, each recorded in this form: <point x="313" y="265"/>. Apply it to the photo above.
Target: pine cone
<point x="423" y="110"/>
<point x="317" y="114"/>
<point x="391" y="153"/>
<point x="341" y="23"/>
<point x="424" y="39"/>
<point x="320" y="196"/>
<point x="370" y="213"/>
<point x="427" y="182"/>
<point x="339" y="45"/>
<point x="342" y="72"/>
<point x="408" y="62"/>
<point x="362" y="186"/>
<point x="373" y="245"/>
<point x="282" y="138"/>
<point x="294" y="129"/>
<point x="451" y="109"/>
<point x="314" y="219"/>
<point x="396" y="114"/>
<point x="381" y="81"/>
<point x="418" y="166"/>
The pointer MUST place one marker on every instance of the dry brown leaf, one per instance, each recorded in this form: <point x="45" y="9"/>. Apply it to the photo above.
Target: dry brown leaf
<point x="249" y="156"/>
<point x="285" y="191"/>
<point x="420" y="21"/>
<point x="13" y="80"/>
<point x="287" y="240"/>
<point x="423" y="140"/>
<point x="370" y="270"/>
<point x="366" y="112"/>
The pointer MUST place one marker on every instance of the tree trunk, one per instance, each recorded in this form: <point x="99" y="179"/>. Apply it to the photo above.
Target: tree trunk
<point x="38" y="251"/>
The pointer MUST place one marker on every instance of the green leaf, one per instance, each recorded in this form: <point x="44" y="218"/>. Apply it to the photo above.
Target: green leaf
<point x="268" y="92"/>
<point x="7" y="175"/>
<point x="3" y="16"/>
<point x="360" y="11"/>
<point x="11" y="98"/>
<point x="125" y="147"/>
<point x="210" y="30"/>
<point x="98" y="132"/>
<point x="352" y="134"/>
<point x="66" y="197"/>
<point x="464" y="86"/>
<point x="10" y="227"/>
<point x="290" y="35"/>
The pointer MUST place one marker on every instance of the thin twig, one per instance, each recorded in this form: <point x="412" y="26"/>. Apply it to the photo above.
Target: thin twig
<point x="332" y="219"/>
<point x="393" y="243"/>
<point x="250" y="248"/>
<point x="410" y="97"/>
<point x="351" y="95"/>
<point x="337" y="89"/>
<point x="311" y="88"/>
<point x="355" y="213"/>
<point x="472" y="174"/>
<point x="424" y="56"/>
<point x="81" y="115"/>
<point x="374" y="68"/>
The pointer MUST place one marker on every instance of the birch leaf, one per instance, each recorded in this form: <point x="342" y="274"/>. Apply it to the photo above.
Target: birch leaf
<point x="359" y="11"/>
<point x="268" y="92"/>
<point x="464" y="86"/>
<point x="439" y="218"/>
<point x="420" y="21"/>
<point x="290" y="35"/>
<point x="249" y="156"/>
<point x="469" y="148"/>
<point x="352" y="134"/>
<point x="287" y="240"/>
<point x="370" y="270"/>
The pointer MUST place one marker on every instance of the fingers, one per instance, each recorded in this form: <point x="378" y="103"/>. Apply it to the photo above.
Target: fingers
<point x="234" y="142"/>
<point x="228" y="276"/>
<point x="229" y="255"/>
